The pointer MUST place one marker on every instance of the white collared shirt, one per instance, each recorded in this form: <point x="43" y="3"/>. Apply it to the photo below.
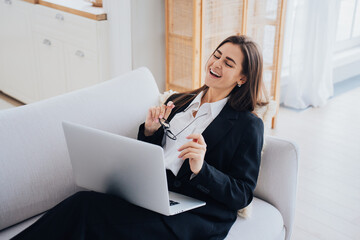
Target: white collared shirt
<point x="184" y="123"/>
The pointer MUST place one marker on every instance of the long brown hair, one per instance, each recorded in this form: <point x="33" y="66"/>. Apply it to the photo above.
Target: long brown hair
<point x="246" y="97"/>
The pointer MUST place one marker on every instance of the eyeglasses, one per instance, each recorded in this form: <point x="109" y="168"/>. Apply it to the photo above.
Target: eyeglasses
<point x="166" y="125"/>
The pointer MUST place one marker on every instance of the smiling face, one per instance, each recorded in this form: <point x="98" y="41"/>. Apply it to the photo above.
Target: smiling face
<point x="224" y="69"/>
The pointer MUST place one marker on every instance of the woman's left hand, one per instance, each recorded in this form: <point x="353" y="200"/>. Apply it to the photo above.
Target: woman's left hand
<point x="194" y="151"/>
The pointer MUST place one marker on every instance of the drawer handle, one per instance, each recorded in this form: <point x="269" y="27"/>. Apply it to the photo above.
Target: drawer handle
<point x="9" y="2"/>
<point x="47" y="42"/>
<point x="80" y="53"/>
<point x="59" y="17"/>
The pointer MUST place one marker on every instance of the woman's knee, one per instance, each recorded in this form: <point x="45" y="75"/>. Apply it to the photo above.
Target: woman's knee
<point x="89" y="196"/>
<point x="85" y="194"/>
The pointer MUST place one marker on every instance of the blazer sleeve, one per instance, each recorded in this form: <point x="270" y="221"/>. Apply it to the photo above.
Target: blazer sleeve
<point x="235" y="187"/>
<point x="156" y="138"/>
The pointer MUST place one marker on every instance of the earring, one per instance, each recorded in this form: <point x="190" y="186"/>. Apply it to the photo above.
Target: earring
<point x="239" y="85"/>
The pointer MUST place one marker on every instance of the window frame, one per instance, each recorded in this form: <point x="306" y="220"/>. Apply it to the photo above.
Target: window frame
<point x="352" y="42"/>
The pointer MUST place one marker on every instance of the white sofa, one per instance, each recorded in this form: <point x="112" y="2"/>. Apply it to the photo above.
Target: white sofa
<point x="35" y="170"/>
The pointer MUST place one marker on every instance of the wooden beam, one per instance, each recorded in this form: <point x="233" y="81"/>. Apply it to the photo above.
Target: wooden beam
<point x="97" y="17"/>
<point x="196" y="59"/>
<point x="244" y="17"/>
<point x="279" y="60"/>
<point x="167" y="56"/>
<point x="32" y="1"/>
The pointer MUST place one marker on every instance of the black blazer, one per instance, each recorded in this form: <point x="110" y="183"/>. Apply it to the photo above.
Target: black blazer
<point x="228" y="176"/>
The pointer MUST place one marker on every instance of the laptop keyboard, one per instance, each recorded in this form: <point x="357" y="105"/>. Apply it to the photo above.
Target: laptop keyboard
<point x="172" y="203"/>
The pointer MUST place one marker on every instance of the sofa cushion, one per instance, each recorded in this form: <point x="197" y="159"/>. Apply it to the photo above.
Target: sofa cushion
<point x="265" y="223"/>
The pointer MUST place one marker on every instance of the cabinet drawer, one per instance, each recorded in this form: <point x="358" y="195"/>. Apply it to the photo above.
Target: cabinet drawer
<point x="82" y="68"/>
<point x="51" y="66"/>
<point x="65" y="26"/>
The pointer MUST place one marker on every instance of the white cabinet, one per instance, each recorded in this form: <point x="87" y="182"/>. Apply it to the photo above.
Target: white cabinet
<point x="69" y="51"/>
<point x="50" y="65"/>
<point x="81" y="67"/>
<point x="17" y="68"/>
<point x="45" y="52"/>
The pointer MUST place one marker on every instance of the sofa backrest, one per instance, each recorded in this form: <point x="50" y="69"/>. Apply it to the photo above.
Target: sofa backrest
<point x="35" y="170"/>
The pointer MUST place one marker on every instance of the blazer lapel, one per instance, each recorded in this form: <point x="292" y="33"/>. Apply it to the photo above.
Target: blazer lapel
<point x="217" y="129"/>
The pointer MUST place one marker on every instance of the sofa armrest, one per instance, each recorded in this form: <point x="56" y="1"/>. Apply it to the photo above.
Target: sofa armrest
<point x="277" y="183"/>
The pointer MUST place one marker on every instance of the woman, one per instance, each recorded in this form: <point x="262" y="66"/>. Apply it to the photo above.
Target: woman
<point x="212" y="144"/>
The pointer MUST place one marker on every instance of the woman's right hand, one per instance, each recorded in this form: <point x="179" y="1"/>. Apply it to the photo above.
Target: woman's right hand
<point x="152" y="123"/>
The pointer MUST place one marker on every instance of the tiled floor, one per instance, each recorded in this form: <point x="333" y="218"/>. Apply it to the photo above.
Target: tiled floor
<point x="328" y="206"/>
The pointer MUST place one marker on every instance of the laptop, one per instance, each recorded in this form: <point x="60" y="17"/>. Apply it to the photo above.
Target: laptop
<point x="131" y="169"/>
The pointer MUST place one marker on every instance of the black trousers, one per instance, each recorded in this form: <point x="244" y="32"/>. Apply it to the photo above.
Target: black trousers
<point x="91" y="215"/>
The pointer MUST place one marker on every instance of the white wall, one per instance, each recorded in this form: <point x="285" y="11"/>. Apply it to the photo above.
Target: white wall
<point x="119" y="18"/>
<point x="148" y="37"/>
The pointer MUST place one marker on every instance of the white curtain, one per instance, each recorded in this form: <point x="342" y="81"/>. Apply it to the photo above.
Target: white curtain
<point x="310" y="31"/>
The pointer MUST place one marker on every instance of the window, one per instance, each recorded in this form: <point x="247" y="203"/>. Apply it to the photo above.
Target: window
<point x="347" y="39"/>
<point x="348" y="28"/>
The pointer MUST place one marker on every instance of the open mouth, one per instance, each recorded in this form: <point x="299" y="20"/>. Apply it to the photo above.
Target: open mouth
<point x="214" y="74"/>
